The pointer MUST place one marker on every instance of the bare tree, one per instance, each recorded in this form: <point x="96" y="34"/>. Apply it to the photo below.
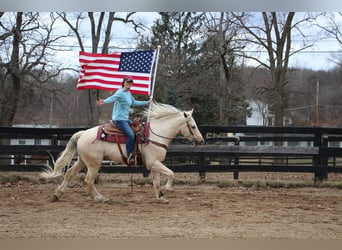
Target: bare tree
<point x="99" y="31"/>
<point x="274" y="35"/>
<point x="224" y="33"/>
<point x="26" y="48"/>
<point x="332" y="28"/>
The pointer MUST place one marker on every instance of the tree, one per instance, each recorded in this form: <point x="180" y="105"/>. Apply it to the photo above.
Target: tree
<point x="27" y="48"/>
<point x="274" y="35"/>
<point x="223" y="36"/>
<point x="333" y="29"/>
<point x="198" y="65"/>
<point x="176" y="32"/>
<point x="100" y="31"/>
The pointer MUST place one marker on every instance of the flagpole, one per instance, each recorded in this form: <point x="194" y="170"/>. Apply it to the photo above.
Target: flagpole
<point x="155" y="72"/>
<point x="154" y="79"/>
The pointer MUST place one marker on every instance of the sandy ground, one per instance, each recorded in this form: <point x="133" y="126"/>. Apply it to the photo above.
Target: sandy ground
<point x="200" y="211"/>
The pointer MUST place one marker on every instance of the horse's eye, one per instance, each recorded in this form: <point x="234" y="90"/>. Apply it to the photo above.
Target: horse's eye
<point x="193" y="127"/>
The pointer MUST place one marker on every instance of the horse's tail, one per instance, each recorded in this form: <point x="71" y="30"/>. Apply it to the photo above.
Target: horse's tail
<point x="64" y="159"/>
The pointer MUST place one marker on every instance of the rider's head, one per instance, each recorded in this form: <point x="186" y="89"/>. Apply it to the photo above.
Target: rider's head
<point x="127" y="79"/>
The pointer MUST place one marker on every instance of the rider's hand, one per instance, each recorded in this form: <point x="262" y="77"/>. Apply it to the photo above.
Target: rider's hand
<point x="99" y="102"/>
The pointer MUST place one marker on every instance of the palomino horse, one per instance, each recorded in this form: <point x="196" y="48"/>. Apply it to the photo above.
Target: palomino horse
<point x="165" y="123"/>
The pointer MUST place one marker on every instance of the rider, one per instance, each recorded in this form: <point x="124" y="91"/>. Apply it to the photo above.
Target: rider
<point x="123" y="100"/>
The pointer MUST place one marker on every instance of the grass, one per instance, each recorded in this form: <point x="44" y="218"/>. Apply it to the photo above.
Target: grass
<point x="278" y="184"/>
<point x="9" y="177"/>
<point x="14" y="178"/>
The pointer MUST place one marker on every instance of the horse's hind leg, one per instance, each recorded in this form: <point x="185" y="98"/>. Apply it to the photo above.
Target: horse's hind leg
<point x="89" y="181"/>
<point x="77" y="167"/>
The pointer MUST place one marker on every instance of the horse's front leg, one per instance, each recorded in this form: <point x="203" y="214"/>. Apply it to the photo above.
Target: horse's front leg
<point x="156" y="169"/>
<point x="156" y="187"/>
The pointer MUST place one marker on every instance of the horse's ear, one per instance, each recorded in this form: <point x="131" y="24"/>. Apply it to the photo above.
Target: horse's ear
<point x="189" y="113"/>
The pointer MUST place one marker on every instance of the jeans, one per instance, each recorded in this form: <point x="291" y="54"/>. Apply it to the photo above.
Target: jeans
<point x="124" y="126"/>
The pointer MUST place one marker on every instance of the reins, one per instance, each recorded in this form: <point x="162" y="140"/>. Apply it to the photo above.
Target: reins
<point x="161" y="136"/>
<point x="165" y="137"/>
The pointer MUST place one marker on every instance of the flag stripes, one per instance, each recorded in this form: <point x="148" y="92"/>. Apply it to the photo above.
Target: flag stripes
<point x="106" y="71"/>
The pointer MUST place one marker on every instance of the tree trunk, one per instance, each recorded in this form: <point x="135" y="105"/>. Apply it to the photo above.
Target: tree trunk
<point x="225" y="77"/>
<point x="278" y="53"/>
<point x="12" y="88"/>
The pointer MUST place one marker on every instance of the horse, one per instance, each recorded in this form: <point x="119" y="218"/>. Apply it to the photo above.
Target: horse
<point x="166" y="122"/>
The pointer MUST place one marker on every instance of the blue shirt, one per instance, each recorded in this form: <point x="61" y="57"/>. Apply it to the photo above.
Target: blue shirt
<point x="123" y="100"/>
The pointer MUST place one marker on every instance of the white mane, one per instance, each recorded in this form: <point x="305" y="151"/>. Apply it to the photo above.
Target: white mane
<point x="159" y="110"/>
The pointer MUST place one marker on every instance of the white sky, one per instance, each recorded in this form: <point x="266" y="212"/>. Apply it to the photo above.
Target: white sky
<point x="318" y="57"/>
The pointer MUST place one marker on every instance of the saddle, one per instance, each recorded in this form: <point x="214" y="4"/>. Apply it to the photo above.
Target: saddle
<point x="110" y="128"/>
<point x="111" y="133"/>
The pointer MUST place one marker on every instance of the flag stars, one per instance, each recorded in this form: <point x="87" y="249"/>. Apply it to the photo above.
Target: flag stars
<point x="139" y="61"/>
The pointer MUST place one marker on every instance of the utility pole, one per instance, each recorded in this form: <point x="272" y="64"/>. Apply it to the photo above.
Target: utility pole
<point x="317" y="104"/>
<point x="51" y="109"/>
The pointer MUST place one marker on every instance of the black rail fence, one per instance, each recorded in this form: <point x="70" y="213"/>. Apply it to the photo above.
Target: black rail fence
<point x="233" y="149"/>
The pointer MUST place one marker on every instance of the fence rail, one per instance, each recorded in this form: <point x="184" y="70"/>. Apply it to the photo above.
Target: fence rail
<point x="227" y="149"/>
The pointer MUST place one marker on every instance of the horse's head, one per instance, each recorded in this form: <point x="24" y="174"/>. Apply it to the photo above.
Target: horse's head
<point x="190" y="130"/>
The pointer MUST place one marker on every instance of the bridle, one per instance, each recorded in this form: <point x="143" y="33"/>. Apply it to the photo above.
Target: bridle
<point x="168" y="138"/>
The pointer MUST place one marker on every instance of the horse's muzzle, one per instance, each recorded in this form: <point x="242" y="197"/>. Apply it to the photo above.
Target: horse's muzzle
<point x="197" y="143"/>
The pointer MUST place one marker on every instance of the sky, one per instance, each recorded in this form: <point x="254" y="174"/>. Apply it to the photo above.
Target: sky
<point x="174" y="5"/>
<point x="124" y="38"/>
<point x="318" y="57"/>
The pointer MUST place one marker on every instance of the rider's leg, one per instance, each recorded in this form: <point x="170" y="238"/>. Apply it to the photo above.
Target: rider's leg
<point x="124" y="126"/>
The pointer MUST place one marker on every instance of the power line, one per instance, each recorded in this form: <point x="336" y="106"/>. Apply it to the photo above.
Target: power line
<point x="246" y="51"/>
<point x="303" y="52"/>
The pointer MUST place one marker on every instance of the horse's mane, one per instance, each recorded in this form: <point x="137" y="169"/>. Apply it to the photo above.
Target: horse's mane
<point x="158" y="110"/>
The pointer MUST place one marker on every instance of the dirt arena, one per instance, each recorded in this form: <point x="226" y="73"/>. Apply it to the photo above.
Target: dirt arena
<point x="258" y="206"/>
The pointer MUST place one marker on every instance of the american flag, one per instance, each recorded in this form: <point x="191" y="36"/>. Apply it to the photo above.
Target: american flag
<point x="106" y="71"/>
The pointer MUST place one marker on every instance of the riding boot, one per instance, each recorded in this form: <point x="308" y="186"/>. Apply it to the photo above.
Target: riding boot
<point x="131" y="160"/>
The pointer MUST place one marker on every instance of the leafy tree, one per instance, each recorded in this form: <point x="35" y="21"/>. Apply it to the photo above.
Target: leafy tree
<point x="175" y="32"/>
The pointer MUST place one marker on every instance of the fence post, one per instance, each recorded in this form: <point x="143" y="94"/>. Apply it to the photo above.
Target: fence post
<point x="202" y="166"/>
<point x="201" y="161"/>
<point x="53" y="155"/>
<point x="320" y="160"/>
<point x="236" y="159"/>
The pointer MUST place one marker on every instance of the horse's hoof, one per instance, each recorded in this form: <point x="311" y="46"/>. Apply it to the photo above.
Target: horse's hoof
<point x="162" y="200"/>
<point x="54" y="198"/>
<point x="106" y="200"/>
<point x="102" y="199"/>
<point x="168" y="189"/>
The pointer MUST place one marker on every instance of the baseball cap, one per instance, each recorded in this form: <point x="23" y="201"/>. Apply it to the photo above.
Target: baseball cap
<point x="128" y="78"/>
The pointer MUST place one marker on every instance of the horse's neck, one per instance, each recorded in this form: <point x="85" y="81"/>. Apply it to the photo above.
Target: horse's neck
<point x="165" y="128"/>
